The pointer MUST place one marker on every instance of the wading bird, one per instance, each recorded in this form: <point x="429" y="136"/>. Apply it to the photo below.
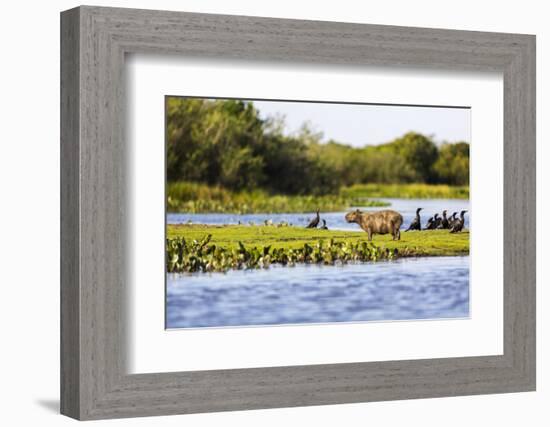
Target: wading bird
<point x="458" y="225"/>
<point x="324" y="226"/>
<point x="429" y="223"/>
<point x="444" y="221"/>
<point x="315" y="221"/>
<point x="437" y="221"/>
<point x="415" y="224"/>
<point x="432" y="222"/>
<point x="452" y="219"/>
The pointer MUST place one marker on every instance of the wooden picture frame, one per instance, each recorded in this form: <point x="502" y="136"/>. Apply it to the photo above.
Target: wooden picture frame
<point x="94" y="382"/>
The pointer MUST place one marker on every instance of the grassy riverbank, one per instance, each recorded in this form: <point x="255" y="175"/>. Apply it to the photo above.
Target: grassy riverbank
<point x="219" y="248"/>
<point x="199" y="198"/>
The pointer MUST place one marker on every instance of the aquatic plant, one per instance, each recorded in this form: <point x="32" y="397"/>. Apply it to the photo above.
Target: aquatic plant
<point x="191" y="255"/>
<point x="200" y="247"/>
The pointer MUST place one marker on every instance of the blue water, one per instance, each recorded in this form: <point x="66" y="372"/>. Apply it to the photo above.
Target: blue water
<point x="335" y="220"/>
<point x="404" y="289"/>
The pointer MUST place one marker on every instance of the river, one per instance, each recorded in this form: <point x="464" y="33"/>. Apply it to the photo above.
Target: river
<point x="403" y="289"/>
<point x="335" y="220"/>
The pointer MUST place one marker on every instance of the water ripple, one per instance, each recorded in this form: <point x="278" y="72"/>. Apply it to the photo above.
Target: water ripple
<point x="405" y="289"/>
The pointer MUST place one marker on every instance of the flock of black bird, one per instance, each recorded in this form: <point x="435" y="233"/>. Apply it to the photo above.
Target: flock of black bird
<point x="439" y="222"/>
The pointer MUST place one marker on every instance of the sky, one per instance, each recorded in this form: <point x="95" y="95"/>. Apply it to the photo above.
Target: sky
<point x="360" y="125"/>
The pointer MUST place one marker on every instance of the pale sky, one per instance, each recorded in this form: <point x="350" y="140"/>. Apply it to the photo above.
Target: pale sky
<point x="359" y="125"/>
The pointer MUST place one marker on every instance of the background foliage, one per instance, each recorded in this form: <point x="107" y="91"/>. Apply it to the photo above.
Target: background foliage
<point x="226" y="143"/>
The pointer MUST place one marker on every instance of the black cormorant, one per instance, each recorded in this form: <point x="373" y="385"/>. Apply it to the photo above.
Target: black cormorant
<point x="315" y="221"/>
<point x="429" y="224"/>
<point x="415" y="224"/>
<point x="437" y="221"/>
<point x="432" y="222"/>
<point x="452" y="219"/>
<point x="324" y="226"/>
<point x="458" y="225"/>
<point x="444" y="220"/>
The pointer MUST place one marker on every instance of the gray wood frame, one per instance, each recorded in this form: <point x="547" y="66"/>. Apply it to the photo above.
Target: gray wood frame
<point x="94" y="382"/>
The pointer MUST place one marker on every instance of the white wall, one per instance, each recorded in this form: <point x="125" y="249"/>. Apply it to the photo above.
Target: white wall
<point x="29" y="211"/>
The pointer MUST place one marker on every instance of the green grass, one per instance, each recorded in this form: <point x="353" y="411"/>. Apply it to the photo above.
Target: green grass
<point x="218" y="248"/>
<point x="191" y="197"/>
<point x="433" y="242"/>
<point x="406" y="191"/>
<point x="199" y="198"/>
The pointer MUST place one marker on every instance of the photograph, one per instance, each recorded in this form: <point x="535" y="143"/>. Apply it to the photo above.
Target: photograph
<point x="291" y="212"/>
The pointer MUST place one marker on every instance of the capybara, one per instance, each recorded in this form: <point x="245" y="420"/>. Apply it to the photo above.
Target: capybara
<point x="381" y="222"/>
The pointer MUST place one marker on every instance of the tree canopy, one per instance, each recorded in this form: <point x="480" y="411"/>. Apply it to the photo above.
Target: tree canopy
<point x="227" y="143"/>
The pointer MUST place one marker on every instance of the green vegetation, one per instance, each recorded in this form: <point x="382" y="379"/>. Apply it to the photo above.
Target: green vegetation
<point x="199" y="198"/>
<point x="219" y="248"/>
<point x="191" y="197"/>
<point x="359" y="192"/>
<point x="453" y="163"/>
<point x="185" y="256"/>
<point x="225" y="143"/>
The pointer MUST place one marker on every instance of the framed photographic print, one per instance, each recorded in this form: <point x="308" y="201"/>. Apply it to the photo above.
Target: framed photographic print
<point x="263" y="213"/>
<point x="261" y="167"/>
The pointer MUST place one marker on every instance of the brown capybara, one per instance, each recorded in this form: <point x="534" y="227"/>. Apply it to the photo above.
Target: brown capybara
<point x="381" y="222"/>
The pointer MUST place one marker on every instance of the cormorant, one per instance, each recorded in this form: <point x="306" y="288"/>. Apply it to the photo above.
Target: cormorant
<point x="315" y="221"/>
<point x="437" y="221"/>
<point x="324" y="226"/>
<point x="415" y="224"/>
<point x="432" y="222"/>
<point x="452" y="219"/>
<point x="429" y="223"/>
<point x="444" y="221"/>
<point x="458" y="225"/>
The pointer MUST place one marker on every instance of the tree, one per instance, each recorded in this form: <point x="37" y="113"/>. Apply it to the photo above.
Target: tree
<point x="215" y="142"/>
<point x="419" y="153"/>
<point x="453" y="164"/>
<point x="226" y="143"/>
